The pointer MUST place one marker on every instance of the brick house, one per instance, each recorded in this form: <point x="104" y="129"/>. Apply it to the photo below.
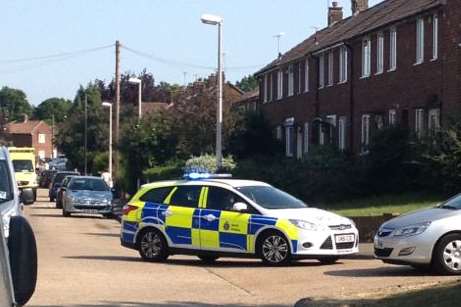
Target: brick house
<point x="248" y="102"/>
<point x="32" y="133"/>
<point x="397" y="63"/>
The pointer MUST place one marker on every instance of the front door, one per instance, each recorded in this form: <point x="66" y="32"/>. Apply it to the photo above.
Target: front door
<point x="221" y="228"/>
<point x="181" y="217"/>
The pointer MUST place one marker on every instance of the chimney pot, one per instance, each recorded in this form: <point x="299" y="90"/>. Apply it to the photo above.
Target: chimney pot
<point x="335" y="13"/>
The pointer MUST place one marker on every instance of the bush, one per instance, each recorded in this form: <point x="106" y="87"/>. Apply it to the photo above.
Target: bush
<point x="207" y="163"/>
<point x="171" y="170"/>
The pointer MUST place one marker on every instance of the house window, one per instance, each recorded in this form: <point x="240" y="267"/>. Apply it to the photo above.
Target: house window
<point x="289" y="141"/>
<point x="266" y="88"/>
<point x="330" y="69"/>
<point x="331" y="120"/>
<point x="380" y="54"/>
<point x="420" y="41"/>
<point x="343" y="64"/>
<point x="306" y="138"/>
<point x="366" y="57"/>
<point x="306" y="76"/>
<point x="41" y="138"/>
<point x="419" y="123"/>
<point x="300" y="80"/>
<point x="291" y="80"/>
<point x="434" y="120"/>
<point x="342" y="133"/>
<point x="435" y="37"/>
<point x="392" y="117"/>
<point x="280" y="84"/>
<point x="278" y="133"/>
<point x="322" y="71"/>
<point x="393" y="49"/>
<point x="271" y="88"/>
<point x="365" y="131"/>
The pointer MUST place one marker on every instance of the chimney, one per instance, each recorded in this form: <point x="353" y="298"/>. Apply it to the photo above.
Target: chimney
<point x="359" y="6"/>
<point x="335" y="13"/>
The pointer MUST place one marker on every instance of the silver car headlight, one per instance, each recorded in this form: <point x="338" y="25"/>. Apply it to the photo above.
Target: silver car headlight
<point x="305" y="225"/>
<point x="411" y="230"/>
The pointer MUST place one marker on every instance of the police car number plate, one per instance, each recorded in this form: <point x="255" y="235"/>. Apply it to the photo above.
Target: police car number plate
<point x="345" y="238"/>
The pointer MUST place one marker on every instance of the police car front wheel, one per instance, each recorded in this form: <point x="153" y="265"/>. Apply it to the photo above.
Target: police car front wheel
<point x="152" y="246"/>
<point x="274" y="249"/>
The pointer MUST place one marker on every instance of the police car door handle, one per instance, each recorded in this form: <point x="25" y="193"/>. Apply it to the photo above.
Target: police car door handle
<point x="209" y="217"/>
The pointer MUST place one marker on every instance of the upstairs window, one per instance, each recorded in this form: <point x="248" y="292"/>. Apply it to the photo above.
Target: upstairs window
<point x="271" y="88"/>
<point x="280" y="84"/>
<point x="366" y="58"/>
<point x="300" y="80"/>
<point x="306" y="76"/>
<point x="420" y="41"/>
<point x="380" y="54"/>
<point x="41" y="138"/>
<point x="322" y="71"/>
<point x="343" y="64"/>
<point x="393" y="49"/>
<point x="266" y="88"/>
<point x="435" y="37"/>
<point x="331" y="68"/>
<point x="291" y="80"/>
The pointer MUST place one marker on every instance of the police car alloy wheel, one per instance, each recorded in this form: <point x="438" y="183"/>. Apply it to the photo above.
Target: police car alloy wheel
<point x="152" y="246"/>
<point x="447" y="255"/>
<point x="274" y="249"/>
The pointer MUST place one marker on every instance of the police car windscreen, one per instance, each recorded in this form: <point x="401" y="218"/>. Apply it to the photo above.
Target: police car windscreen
<point x="272" y="198"/>
<point x="23" y="166"/>
<point x="6" y="193"/>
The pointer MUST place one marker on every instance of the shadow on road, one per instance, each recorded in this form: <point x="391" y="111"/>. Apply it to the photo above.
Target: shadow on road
<point x="72" y="217"/>
<point x="380" y="272"/>
<point x="169" y="304"/>
<point x="44" y="208"/>
<point x="113" y="235"/>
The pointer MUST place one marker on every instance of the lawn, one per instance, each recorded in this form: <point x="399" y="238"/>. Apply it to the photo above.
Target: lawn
<point x="379" y="205"/>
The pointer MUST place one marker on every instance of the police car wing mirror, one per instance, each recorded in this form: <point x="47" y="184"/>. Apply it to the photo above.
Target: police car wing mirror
<point x="240" y="207"/>
<point x="27" y="196"/>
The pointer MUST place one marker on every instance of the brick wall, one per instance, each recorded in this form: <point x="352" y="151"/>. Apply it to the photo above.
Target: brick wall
<point x="47" y="146"/>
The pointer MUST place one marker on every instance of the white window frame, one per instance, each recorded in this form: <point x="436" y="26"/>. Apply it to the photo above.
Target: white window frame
<point x="306" y="76"/>
<point x="380" y="53"/>
<point x="433" y="125"/>
<point x="306" y="138"/>
<point x="331" y="68"/>
<point x="266" y="88"/>
<point x="392" y="117"/>
<point x="289" y="130"/>
<point x="42" y="138"/>
<point x="280" y="84"/>
<point x="366" y="57"/>
<point x="365" y="135"/>
<point x="435" y="37"/>
<point x="343" y="61"/>
<point x="321" y="71"/>
<point x="419" y="123"/>
<point x="420" y="41"/>
<point x="393" y="49"/>
<point x="291" y="80"/>
<point x="300" y="80"/>
<point x="342" y="122"/>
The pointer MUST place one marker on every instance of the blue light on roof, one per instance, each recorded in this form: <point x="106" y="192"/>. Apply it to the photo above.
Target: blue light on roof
<point x="195" y="176"/>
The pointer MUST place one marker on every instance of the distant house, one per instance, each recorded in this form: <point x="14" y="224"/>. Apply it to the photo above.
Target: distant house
<point x="248" y="102"/>
<point x="32" y="133"/>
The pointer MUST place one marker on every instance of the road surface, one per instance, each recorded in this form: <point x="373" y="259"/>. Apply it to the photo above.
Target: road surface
<point x="81" y="263"/>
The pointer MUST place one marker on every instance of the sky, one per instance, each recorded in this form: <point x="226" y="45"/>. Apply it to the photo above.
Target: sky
<point x="181" y="48"/>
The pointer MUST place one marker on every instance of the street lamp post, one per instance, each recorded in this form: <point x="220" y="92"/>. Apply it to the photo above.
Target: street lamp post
<point x="218" y="21"/>
<point x="139" y="83"/>
<point x="109" y="105"/>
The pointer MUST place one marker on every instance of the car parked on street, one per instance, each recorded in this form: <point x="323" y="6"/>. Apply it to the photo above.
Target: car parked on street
<point x="426" y="238"/>
<point x="212" y="217"/>
<point x="56" y="183"/>
<point x="62" y="190"/>
<point x="45" y="178"/>
<point x="86" y="194"/>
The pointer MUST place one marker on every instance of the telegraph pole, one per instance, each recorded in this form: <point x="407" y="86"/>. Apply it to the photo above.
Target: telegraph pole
<point x="117" y="109"/>
<point x="86" y="134"/>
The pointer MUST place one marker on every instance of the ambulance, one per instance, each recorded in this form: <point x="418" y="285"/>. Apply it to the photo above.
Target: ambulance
<point x="23" y="159"/>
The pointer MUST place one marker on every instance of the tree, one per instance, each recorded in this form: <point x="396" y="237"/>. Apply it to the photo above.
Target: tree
<point x="248" y="83"/>
<point x="59" y="107"/>
<point x="13" y="104"/>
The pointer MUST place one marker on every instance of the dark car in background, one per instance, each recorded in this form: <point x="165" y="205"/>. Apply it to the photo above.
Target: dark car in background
<point x="62" y="190"/>
<point x="45" y="178"/>
<point x="56" y="183"/>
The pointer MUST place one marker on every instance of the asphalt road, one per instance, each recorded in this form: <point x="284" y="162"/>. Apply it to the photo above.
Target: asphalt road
<point x="81" y="263"/>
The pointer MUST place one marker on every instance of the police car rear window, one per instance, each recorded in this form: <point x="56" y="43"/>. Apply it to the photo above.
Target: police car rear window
<point x="157" y="195"/>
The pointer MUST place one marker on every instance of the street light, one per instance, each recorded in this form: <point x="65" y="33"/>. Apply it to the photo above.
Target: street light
<point x="139" y="83"/>
<point x="218" y="21"/>
<point x="109" y="105"/>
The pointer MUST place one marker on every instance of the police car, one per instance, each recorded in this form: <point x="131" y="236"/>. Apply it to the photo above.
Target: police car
<point x="210" y="217"/>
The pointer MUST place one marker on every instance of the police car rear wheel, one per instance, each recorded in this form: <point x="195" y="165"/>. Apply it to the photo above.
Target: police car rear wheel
<point x="152" y="246"/>
<point x="274" y="249"/>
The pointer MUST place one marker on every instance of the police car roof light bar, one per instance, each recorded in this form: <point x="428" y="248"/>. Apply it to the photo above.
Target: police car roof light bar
<point x="197" y="176"/>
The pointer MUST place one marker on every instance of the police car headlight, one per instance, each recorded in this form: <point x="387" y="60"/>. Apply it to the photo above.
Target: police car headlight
<point x="411" y="230"/>
<point x="305" y="225"/>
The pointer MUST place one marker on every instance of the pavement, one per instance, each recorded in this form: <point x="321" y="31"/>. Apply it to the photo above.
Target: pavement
<point x="81" y="263"/>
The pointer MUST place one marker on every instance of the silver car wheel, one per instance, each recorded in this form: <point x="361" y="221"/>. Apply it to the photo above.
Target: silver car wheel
<point x="275" y="249"/>
<point x="151" y="245"/>
<point x="452" y="255"/>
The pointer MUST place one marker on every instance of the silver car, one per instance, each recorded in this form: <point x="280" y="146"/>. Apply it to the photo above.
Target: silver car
<point x="86" y="194"/>
<point x="430" y="237"/>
